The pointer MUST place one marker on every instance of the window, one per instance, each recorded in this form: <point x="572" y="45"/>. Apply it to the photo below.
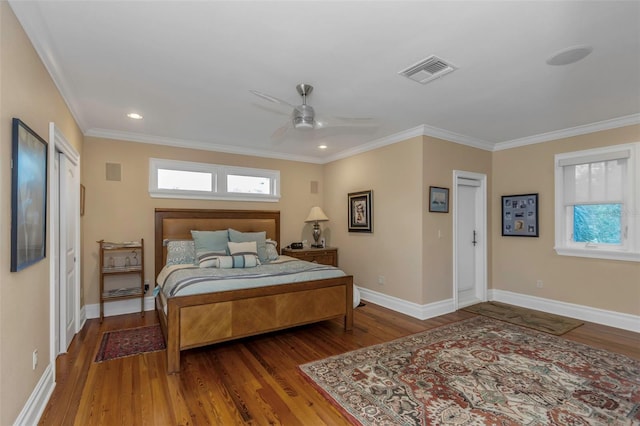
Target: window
<point x="183" y="179"/>
<point x="597" y="203"/>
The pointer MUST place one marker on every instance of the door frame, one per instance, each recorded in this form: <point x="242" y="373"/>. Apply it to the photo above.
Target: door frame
<point x="58" y="143"/>
<point x="481" y="222"/>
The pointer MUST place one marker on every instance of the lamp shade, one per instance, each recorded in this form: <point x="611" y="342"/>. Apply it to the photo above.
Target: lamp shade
<point x="316" y="215"/>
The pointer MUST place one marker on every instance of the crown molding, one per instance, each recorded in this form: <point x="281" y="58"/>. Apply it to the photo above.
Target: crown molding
<point x="613" y="123"/>
<point x="183" y="143"/>
<point x="422" y="130"/>
<point x="39" y="36"/>
<point x="378" y="143"/>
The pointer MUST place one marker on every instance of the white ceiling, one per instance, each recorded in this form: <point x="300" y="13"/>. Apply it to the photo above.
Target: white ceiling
<point x="188" y="68"/>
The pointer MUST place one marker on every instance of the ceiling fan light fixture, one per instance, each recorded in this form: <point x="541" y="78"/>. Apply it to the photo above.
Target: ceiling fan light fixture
<point x="303" y="117"/>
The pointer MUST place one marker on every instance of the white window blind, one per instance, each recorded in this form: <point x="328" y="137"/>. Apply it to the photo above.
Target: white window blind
<point x="598" y="182"/>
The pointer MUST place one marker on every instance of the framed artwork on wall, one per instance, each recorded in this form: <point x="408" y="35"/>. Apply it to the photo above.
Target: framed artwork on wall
<point x="28" y="196"/>
<point x="520" y="215"/>
<point x="360" y="208"/>
<point x="438" y="199"/>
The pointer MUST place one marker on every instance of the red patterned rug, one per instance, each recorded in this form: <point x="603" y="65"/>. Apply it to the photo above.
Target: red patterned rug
<point x="132" y="341"/>
<point x="481" y="372"/>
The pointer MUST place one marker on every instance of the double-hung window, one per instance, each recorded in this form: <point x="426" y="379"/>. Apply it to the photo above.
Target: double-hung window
<point x="597" y="203"/>
<point x="185" y="179"/>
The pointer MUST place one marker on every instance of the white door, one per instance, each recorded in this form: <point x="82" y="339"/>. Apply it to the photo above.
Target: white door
<point x="69" y="184"/>
<point x="470" y="239"/>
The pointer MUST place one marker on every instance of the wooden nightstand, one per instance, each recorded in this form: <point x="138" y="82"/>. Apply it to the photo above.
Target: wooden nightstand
<point x="326" y="256"/>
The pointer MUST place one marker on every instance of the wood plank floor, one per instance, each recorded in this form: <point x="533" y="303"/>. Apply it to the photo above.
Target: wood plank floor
<point x="251" y="381"/>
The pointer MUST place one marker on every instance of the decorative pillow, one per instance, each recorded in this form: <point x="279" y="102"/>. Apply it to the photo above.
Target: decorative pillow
<point x="272" y="250"/>
<point x="181" y="252"/>
<point x="259" y="237"/>
<point x="250" y="247"/>
<point x="208" y="259"/>
<point x="237" y="261"/>
<point x="209" y="244"/>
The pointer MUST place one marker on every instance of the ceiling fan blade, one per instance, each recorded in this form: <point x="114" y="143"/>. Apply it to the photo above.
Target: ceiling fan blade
<point x="346" y="122"/>
<point x="273" y="110"/>
<point x="281" y="132"/>
<point x="271" y="98"/>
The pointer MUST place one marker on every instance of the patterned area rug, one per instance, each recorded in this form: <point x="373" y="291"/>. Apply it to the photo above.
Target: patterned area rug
<point x="541" y="321"/>
<point x="481" y="372"/>
<point x="132" y="341"/>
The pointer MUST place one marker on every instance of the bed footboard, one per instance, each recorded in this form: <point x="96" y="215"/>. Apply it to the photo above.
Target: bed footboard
<point x="200" y="320"/>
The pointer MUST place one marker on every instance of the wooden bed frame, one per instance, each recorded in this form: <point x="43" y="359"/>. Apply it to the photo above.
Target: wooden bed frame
<point x="203" y="319"/>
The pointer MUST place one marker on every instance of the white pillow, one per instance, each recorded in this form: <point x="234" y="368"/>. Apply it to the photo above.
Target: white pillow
<point x="237" y="261"/>
<point x="249" y="247"/>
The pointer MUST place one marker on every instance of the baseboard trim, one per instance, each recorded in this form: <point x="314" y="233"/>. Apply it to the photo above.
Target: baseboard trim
<point x="119" y="307"/>
<point x="37" y="402"/>
<point x="581" y="312"/>
<point x="408" y="308"/>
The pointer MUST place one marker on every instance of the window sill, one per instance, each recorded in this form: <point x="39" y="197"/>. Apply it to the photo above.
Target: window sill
<point x="599" y="254"/>
<point x="209" y="196"/>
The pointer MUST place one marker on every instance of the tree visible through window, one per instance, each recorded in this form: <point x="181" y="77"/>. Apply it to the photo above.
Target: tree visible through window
<point x="597" y="223"/>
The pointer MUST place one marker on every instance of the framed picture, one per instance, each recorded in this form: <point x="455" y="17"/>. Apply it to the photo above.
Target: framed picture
<point x="520" y="215"/>
<point x="28" y="197"/>
<point x="438" y="199"/>
<point x="360" y="206"/>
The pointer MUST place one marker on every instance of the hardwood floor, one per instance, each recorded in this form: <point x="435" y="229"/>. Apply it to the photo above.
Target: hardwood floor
<point x="251" y="381"/>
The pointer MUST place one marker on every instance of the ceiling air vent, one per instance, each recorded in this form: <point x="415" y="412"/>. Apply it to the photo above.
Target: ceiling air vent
<point x="428" y="69"/>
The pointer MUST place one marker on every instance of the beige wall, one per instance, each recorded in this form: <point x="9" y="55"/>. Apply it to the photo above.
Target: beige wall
<point x="394" y="173"/>
<point x="440" y="159"/>
<point x="26" y="92"/>
<point x="404" y="247"/>
<point x="519" y="262"/>
<point x="122" y="211"/>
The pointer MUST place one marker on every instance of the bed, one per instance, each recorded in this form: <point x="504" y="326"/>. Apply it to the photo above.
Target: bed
<point x="195" y="320"/>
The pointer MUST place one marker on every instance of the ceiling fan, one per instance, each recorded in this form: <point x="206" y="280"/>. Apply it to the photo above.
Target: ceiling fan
<point x="303" y="117"/>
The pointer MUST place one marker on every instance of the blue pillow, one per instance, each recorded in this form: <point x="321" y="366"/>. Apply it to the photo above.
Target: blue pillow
<point x="272" y="250"/>
<point x="259" y="237"/>
<point x="210" y="241"/>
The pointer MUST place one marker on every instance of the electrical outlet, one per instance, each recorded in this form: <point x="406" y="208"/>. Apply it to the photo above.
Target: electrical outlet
<point x="380" y="280"/>
<point x="35" y="359"/>
<point x="539" y="284"/>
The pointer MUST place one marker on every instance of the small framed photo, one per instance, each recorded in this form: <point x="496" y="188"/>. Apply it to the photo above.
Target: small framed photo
<point x="438" y="199"/>
<point x="520" y="215"/>
<point x="360" y="207"/>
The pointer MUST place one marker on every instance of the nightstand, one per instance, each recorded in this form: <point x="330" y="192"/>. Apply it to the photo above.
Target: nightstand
<point x="326" y="256"/>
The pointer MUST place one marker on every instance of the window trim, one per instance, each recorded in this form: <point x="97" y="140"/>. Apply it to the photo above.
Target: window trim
<point x="219" y="175"/>
<point x="629" y="249"/>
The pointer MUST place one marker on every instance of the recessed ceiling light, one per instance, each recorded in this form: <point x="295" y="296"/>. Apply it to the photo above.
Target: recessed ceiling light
<point x="569" y="55"/>
<point x="322" y="146"/>
<point x="134" y="116"/>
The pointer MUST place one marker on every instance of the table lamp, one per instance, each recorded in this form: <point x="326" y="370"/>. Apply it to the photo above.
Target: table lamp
<point x="316" y="215"/>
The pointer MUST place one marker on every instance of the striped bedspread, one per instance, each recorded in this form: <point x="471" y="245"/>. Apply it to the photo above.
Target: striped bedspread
<point x="182" y="280"/>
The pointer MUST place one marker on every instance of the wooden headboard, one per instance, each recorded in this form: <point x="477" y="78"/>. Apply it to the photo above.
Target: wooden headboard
<point x="176" y="224"/>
